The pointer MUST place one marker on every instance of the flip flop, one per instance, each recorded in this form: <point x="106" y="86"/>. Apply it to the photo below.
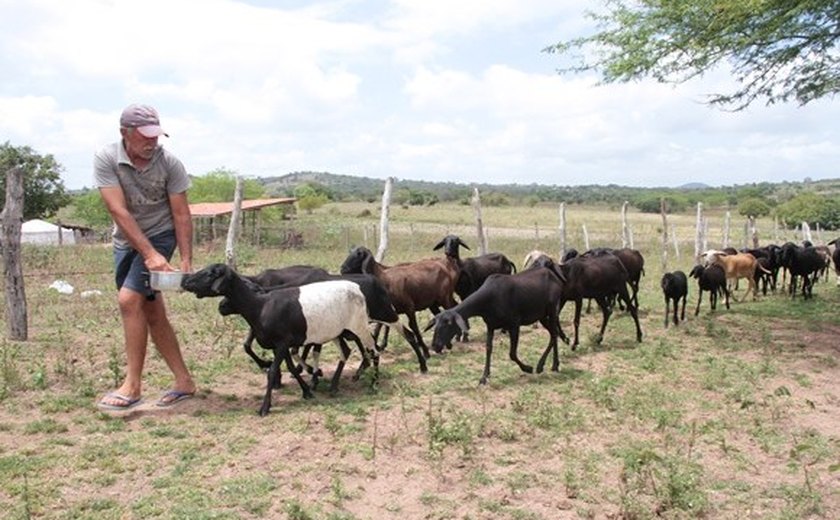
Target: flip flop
<point x="125" y="402"/>
<point x="174" y="396"/>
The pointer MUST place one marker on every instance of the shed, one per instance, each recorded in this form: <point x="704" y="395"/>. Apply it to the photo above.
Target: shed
<point x="209" y="212"/>
<point x="41" y="232"/>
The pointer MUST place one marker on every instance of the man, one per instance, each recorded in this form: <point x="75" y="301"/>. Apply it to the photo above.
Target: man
<point x="144" y="188"/>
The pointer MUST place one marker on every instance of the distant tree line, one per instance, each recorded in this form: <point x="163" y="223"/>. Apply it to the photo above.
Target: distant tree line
<point x="816" y="203"/>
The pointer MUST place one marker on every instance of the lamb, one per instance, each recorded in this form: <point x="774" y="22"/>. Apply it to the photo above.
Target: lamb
<point x="736" y="266"/>
<point x="475" y="270"/>
<point x="805" y="262"/>
<point x="675" y="288"/>
<point x="413" y="286"/>
<point x="601" y="278"/>
<point x="379" y="305"/>
<point x="835" y="257"/>
<point x="290" y="317"/>
<point x="507" y="302"/>
<point x="710" y="278"/>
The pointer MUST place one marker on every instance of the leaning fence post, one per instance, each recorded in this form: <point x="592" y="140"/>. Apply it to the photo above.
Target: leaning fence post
<point x="12" y="219"/>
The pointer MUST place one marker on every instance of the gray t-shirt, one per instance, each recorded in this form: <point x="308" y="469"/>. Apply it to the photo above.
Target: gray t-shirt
<point x="146" y="191"/>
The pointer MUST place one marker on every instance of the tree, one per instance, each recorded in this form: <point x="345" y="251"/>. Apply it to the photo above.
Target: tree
<point x="43" y="189"/>
<point x="777" y="50"/>
<point x="90" y="209"/>
<point x="219" y="185"/>
<point x="811" y="208"/>
<point x="753" y="207"/>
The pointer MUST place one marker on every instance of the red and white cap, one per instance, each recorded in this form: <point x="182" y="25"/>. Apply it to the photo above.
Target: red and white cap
<point x="144" y="118"/>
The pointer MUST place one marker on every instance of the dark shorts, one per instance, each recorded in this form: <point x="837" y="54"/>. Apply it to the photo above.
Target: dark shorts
<point x="131" y="272"/>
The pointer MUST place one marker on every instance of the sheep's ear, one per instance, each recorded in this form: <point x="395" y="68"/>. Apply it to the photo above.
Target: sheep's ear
<point x="559" y="270"/>
<point x="462" y="323"/>
<point x="367" y="264"/>
<point x="429" y="325"/>
<point x="462" y="244"/>
<point x="439" y="245"/>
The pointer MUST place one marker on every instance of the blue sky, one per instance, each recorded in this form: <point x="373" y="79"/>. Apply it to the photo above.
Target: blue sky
<point x="423" y="90"/>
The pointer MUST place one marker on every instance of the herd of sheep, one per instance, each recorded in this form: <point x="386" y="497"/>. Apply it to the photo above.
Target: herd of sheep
<point x="303" y="307"/>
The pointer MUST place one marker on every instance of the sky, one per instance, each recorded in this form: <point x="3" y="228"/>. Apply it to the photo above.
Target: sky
<point x="456" y="91"/>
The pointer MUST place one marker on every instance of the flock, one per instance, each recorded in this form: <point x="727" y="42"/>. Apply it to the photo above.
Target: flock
<point x="293" y="311"/>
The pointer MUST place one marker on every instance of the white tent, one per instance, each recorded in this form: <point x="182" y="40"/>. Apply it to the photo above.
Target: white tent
<point x="43" y="233"/>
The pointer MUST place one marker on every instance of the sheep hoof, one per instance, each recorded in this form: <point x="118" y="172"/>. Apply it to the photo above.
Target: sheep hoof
<point x="482" y="381"/>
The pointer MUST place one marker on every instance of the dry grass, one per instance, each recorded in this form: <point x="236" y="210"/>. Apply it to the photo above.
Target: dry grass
<point x="731" y="415"/>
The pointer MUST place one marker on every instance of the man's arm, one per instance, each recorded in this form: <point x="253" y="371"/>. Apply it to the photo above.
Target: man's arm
<point x="182" y="218"/>
<point x="115" y="202"/>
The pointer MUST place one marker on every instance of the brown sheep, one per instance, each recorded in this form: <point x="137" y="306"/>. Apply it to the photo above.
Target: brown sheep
<point x="740" y="265"/>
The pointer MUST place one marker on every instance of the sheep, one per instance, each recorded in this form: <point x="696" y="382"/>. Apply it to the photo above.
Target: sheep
<point x="413" y="286"/>
<point x="507" y="301"/>
<point x="764" y="277"/>
<point x="675" y="288"/>
<point x="290" y="317"/>
<point x="475" y="270"/>
<point x="601" y="278"/>
<point x="710" y="278"/>
<point x="835" y="256"/>
<point x="805" y="262"/>
<point x="380" y="307"/>
<point x="633" y="261"/>
<point x="535" y="255"/>
<point x="736" y="266"/>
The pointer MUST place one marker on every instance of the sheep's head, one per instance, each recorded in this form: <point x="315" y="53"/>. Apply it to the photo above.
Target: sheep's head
<point x="213" y="280"/>
<point x="450" y="245"/>
<point x="357" y="261"/>
<point x="447" y="324"/>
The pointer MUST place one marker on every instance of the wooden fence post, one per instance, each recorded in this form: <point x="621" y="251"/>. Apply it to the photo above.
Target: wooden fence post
<point x="561" y="229"/>
<point x="383" y="220"/>
<point x="662" y="211"/>
<point x="12" y="219"/>
<point x="625" y="231"/>
<point x="479" y="223"/>
<point x="233" y="228"/>
<point x="698" y="234"/>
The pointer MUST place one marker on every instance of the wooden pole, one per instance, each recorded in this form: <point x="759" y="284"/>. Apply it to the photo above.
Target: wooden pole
<point x="233" y="229"/>
<point x="12" y="219"/>
<point x="625" y="232"/>
<point x="698" y="233"/>
<point x="479" y="223"/>
<point x="663" y="212"/>
<point x="727" y="220"/>
<point x="383" y="220"/>
<point x="585" y="238"/>
<point x="562" y="230"/>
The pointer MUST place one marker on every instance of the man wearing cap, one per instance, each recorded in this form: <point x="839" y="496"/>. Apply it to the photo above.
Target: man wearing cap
<point x="144" y="188"/>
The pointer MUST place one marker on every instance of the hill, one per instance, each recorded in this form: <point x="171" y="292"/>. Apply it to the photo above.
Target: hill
<point x="347" y="187"/>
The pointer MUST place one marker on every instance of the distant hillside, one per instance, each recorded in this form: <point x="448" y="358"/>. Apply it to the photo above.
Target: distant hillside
<point x="347" y="187"/>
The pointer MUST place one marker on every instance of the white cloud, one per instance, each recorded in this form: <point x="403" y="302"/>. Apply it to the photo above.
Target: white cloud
<point x="421" y="90"/>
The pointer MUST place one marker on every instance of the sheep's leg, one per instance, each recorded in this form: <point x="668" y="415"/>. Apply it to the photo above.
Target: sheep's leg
<point x="376" y="330"/>
<point x="290" y="364"/>
<point x="634" y="312"/>
<point x="315" y="369"/>
<point x="578" y="306"/>
<point x="604" y="304"/>
<point x="699" y="299"/>
<point x="412" y="324"/>
<point x="684" y="298"/>
<point x="513" y="333"/>
<point x="273" y="373"/>
<point x="345" y="354"/>
<point x="552" y="327"/>
<point x="249" y="341"/>
<point x="409" y="337"/>
<point x="488" y="354"/>
<point x="668" y="311"/>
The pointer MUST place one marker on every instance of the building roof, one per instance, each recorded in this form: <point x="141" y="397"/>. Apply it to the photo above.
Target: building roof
<point x="213" y="209"/>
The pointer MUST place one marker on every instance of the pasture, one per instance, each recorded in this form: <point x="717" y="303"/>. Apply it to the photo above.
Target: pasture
<point x="732" y="414"/>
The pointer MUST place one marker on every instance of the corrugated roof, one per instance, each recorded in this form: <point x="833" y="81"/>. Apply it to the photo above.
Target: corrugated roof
<point x="212" y="209"/>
